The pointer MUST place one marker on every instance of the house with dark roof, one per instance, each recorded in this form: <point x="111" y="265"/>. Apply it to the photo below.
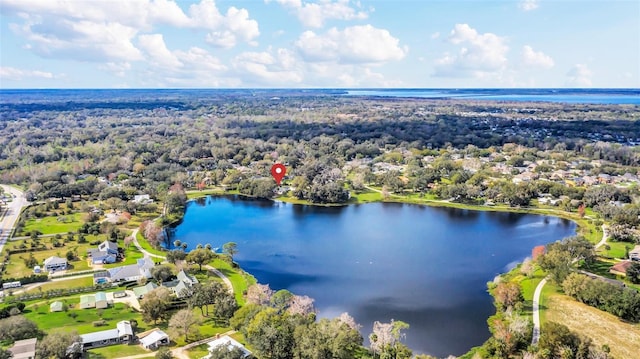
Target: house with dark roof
<point x="24" y="349"/>
<point x="107" y="252"/>
<point x="181" y="285"/>
<point x="123" y="333"/>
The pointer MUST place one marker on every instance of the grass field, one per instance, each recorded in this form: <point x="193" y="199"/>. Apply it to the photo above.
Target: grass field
<point x="51" y="225"/>
<point x="601" y="327"/>
<point x="617" y="250"/>
<point x="146" y="246"/>
<point x="83" y="322"/>
<point x="239" y="279"/>
<point x="131" y="256"/>
<point x="64" y="284"/>
<point x="116" y="351"/>
<point x="16" y="267"/>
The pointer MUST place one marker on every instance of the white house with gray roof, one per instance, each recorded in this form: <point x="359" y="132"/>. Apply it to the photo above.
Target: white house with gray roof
<point x="54" y="263"/>
<point x="123" y="333"/>
<point x="132" y="272"/>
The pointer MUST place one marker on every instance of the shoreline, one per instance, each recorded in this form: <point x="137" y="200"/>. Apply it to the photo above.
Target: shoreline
<point x="583" y="225"/>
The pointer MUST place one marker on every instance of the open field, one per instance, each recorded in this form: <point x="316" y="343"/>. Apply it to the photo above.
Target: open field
<point x="601" y="327"/>
<point x="239" y="279"/>
<point x="16" y="267"/>
<point x="85" y="317"/>
<point x="617" y="249"/>
<point x="65" y="284"/>
<point x="52" y="224"/>
<point x="116" y="351"/>
<point x="146" y="246"/>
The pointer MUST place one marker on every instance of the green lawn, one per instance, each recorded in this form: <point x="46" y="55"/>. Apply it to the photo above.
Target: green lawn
<point x="64" y="284"/>
<point x="51" y="225"/>
<point x="366" y="196"/>
<point x="115" y="351"/>
<point x="85" y="317"/>
<point x="239" y="279"/>
<point x="131" y="256"/>
<point x="146" y="246"/>
<point x="617" y="250"/>
<point x="16" y="267"/>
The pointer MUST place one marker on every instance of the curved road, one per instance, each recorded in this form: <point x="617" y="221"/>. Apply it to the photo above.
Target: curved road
<point x="224" y="278"/>
<point x="536" y="294"/>
<point x="10" y="213"/>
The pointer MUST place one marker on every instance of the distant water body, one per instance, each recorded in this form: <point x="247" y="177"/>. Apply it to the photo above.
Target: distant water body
<point x="380" y="261"/>
<point x="574" y="96"/>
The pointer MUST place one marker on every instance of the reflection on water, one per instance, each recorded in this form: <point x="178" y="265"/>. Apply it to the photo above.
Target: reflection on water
<point x="380" y="261"/>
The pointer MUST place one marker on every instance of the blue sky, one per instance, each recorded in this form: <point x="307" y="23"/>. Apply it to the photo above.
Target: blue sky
<point x="322" y="43"/>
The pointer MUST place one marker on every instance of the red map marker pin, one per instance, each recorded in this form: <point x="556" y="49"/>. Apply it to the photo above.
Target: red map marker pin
<point x="278" y="171"/>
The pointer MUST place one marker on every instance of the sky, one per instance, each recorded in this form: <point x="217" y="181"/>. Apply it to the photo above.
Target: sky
<point x="319" y="44"/>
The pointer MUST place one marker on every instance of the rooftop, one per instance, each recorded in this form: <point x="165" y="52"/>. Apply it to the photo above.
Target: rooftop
<point x="23" y="349"/>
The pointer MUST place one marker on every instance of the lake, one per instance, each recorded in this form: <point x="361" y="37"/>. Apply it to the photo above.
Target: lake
<point x="424" y="265"/>
<point x="573" y="96"/>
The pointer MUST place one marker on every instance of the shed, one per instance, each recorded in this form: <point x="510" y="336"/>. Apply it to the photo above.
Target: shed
<point x="154" y="339"/>
<point x="56" y="306"/>
<point x="101" y="300"/>
<point x="228" y="343"/>
<point x="87" y="301"/>
<point x="37" y="270"/>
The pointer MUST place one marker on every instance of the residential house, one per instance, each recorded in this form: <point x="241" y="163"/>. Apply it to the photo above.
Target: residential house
<point x="56" y="306"/>
<point x="141" y="291"/>
<point x="228" y="343"/>
<point x="620" y="268"/>
<point x="122" y="334"/>
<point x="87" y="301"/>
<point x="180" y="286"/>
<point x="24" y="349"/>
<point x="54" y="263"/>
<point x="154" y="339"/>
<point x="107" y="252"/>
<point x="131" y="272"/>
<point x="634" y="254"/>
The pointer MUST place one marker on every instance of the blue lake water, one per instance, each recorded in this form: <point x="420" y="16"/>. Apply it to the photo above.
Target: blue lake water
<point x="574" y="96"/>
<point x="426" y="266"/>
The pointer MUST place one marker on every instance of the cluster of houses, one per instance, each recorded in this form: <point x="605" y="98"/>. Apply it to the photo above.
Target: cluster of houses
<point x="132" y="272"/>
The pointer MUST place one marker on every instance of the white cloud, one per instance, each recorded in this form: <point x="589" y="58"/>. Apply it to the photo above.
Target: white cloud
<point x="269" y="68"/>
<point x="579" y="76"/>
<point x="356" y="44"/>
<point x="117" y="68"/>
<point x="528" y="5"/>
<point x="435" y="35"/>
<point x="315" y="14"/>
<point x="477" y="54"/>
<point x="105" y="31"/>
<point x="536" y="59"/>
<point x="157" y="52"/>
<point x="14" y="74"/>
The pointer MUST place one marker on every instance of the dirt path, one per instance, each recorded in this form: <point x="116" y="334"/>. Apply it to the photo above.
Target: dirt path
<point x="536" y="294"/>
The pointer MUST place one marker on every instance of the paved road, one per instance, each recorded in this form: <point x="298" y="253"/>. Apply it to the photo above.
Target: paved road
<point x="536" y="294"/>
<point x="10" y="213"/>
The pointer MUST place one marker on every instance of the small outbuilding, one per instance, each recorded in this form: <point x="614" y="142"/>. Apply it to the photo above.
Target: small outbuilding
<point x="87" y="301"/>
<point x="154" y="339"/>
<point x="101" y="300"/>
<point x="56" y="306"/>
<point x="228" y="343"/>
<point x="37" y="269"/>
